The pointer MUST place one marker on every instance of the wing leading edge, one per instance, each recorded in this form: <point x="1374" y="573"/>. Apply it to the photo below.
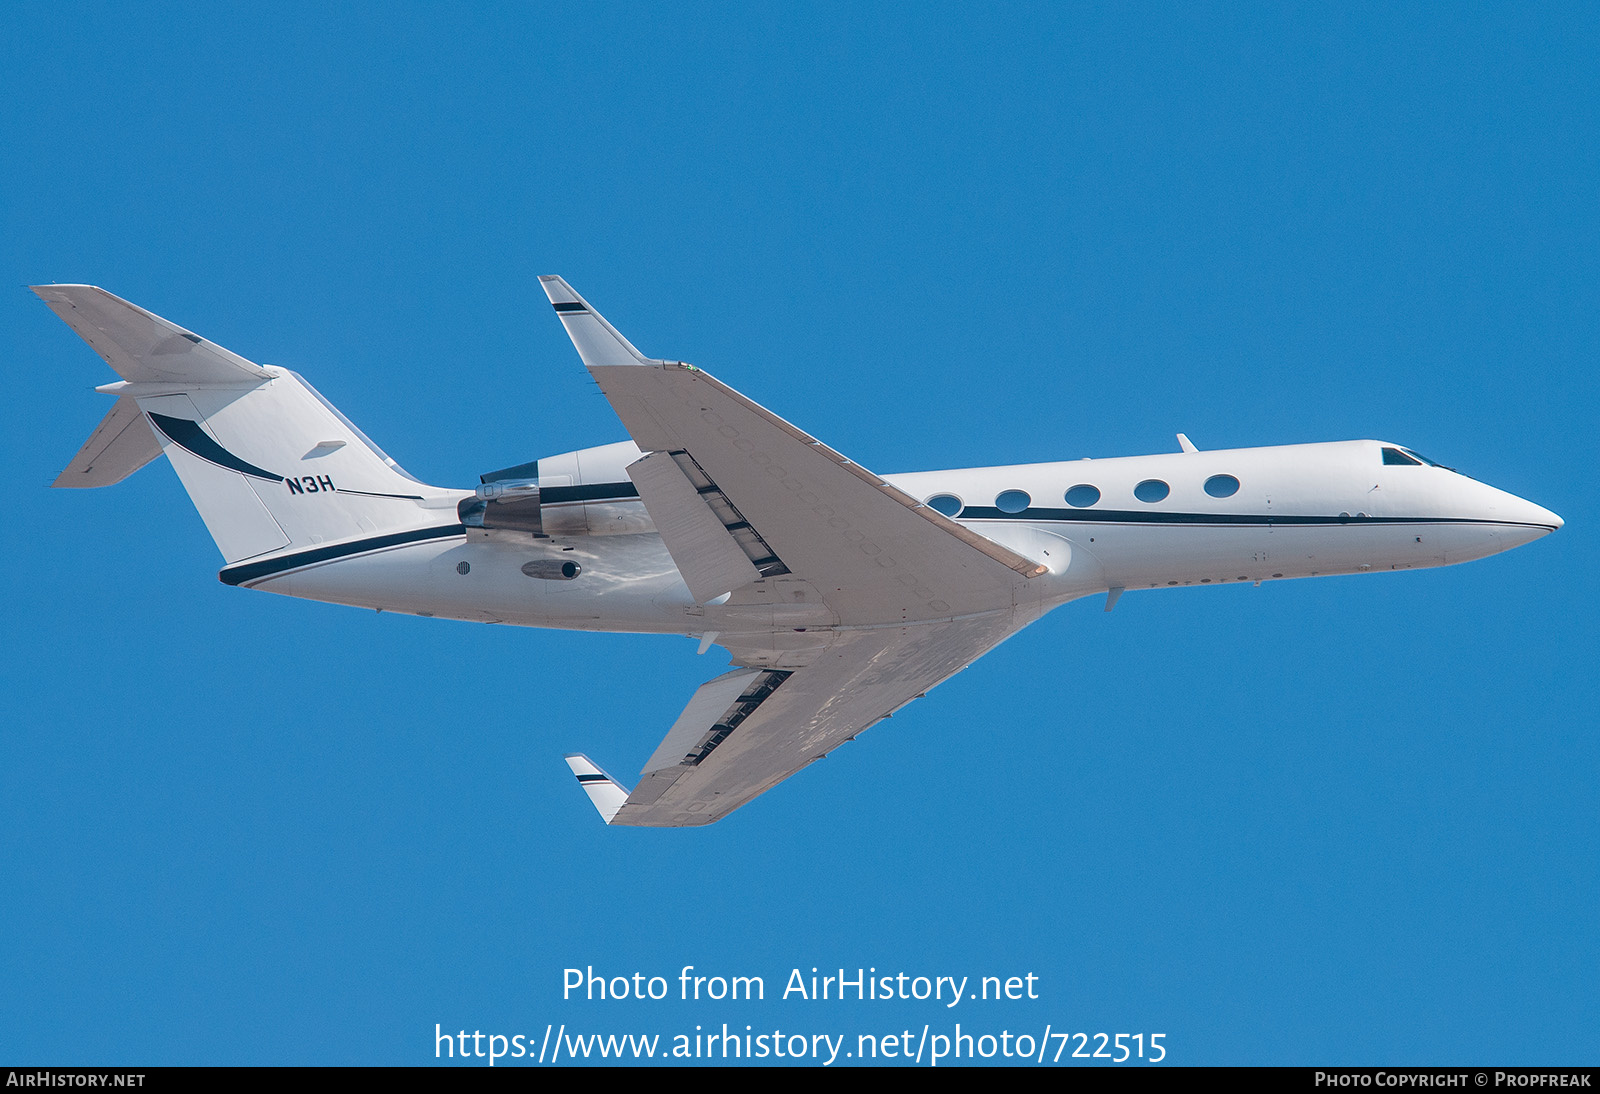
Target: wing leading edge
<point x="760" y="516"/>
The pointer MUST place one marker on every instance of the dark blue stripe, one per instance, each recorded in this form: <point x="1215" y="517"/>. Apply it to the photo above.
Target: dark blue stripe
<point x="1151" y="516"/>
<point x="599" y="491"/>
<point x="570" y="305"/>
<point x="254" y="571"/>
<point x="191" y="438"/>
<point x="370" y="494"/>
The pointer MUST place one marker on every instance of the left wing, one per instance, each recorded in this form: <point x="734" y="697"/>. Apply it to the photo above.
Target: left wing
<point x="841" y="597"/>
<point x="748" y="730"/>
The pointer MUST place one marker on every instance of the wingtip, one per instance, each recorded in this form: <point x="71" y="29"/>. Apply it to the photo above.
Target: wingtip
<point x="557" y="289"/>
<point x="597" y="342"/>
<point x="54" y="294"/>
<point x="606" y="794"/>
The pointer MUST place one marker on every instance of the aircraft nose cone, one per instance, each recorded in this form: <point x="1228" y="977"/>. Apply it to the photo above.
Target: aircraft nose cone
<point x="1538" y="514"/>
<point x="1509" y="521"/>
<point x="1529" y="521"/>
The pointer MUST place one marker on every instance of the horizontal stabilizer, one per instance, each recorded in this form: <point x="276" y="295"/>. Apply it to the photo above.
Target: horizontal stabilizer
<point x="602" y="789"/>
<point x="145" y="348"/>
<point x="120" y="445"/>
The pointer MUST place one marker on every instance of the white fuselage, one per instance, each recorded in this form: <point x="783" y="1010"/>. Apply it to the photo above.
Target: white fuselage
<point x="840" y="596"/>
<point x="1296" y="511"/>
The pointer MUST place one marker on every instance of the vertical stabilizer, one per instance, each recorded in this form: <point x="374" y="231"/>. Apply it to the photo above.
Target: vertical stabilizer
<point x="268" y="462"/>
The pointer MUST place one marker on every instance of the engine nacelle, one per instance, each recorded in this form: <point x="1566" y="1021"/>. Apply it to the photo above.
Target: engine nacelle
<point x="582" y="493"/>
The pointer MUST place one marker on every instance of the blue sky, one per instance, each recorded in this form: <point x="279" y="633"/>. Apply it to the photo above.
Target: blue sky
<point x="1340" y="821"/>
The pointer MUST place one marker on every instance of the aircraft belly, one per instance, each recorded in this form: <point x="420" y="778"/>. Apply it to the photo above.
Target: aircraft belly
<point x="633" y="589"/>
<point x="1154" y="556"/>
<point x="1465" y="542"/>
<point x="1311" y="551"/>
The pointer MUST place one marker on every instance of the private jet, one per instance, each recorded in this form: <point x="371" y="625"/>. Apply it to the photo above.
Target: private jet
<point x="841" y="595"/>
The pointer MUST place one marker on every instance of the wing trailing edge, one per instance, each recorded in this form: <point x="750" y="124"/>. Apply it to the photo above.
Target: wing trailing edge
<point x="748" y="730"/>
<point x="699" y="541"/>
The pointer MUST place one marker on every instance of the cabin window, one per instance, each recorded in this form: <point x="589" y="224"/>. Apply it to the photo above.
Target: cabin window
<point x="1152" y="490"/>
<point x="948" y="504"/>
<point x="1083" y="495"/>
<point x="1396" y="458"/>
<point x="1013" y="501"/>
<point x="1222" y="486"/>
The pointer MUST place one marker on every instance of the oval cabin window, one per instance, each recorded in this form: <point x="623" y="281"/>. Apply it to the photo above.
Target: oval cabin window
<point x="1013" y="501"/>
<point x="1152" y="490"/>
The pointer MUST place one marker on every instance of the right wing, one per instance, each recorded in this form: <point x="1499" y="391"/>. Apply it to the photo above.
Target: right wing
<point x="874" y="553"/>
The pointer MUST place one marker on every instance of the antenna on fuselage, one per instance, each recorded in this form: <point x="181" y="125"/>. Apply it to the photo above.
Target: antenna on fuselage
<point x="1185" y="443"/>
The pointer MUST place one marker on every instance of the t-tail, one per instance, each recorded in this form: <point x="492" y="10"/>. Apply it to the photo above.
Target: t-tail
<point x="272" y="467"/>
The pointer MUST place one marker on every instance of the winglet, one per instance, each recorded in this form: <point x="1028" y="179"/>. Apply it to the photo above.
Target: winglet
<point x="597" y="341"/>
<point x="605" y="792"/>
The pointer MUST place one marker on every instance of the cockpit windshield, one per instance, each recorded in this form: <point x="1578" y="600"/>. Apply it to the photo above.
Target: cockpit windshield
<point x="1405" y="457"/>
<point x="1424" y="459"/>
